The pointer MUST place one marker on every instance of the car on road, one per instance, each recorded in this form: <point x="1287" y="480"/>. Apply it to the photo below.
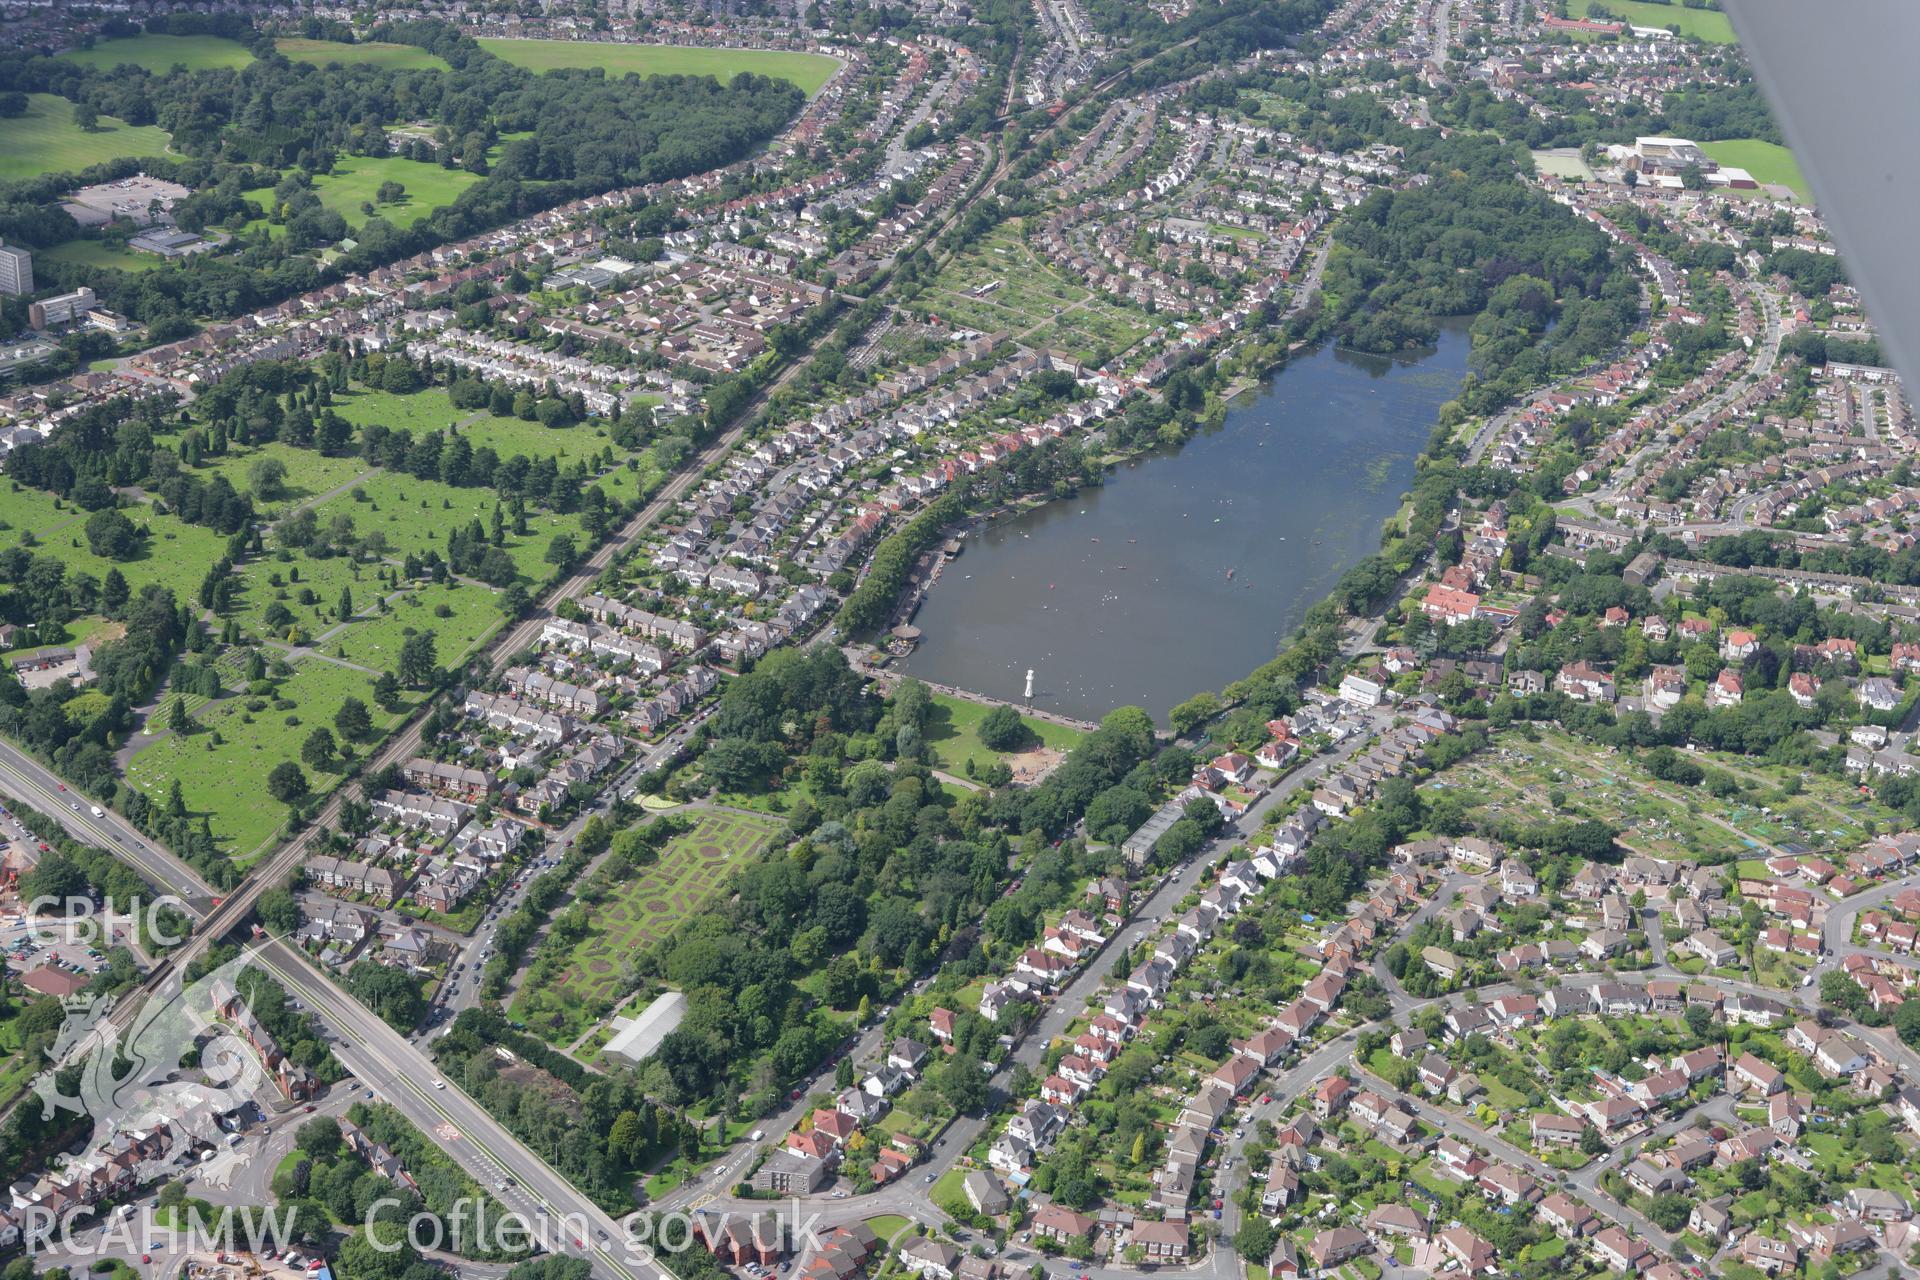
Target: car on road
<point x="928" y="1178"/>
<point x="439" y="1084"/>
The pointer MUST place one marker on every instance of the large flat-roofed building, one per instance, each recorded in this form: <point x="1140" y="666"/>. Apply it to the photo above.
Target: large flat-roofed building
<point x="61" y="309"/>
<point x="1675" y="153"/>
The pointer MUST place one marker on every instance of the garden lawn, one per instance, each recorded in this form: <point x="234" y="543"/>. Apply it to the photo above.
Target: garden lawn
<point x="160" y="54"/>
<point x="227" y="781"/>
<point x="46" y="140"/>
<point x="177" y="554"/>
<point x="1710" y="25"/>
<point x="98" y="254"/>
<point x="377" y="53"/>
<point x="355" y="180"/>
<point x="639" y="915"/>
<point x="953" y="732"/>
<point x="1768" y="162"/>
<point x="808" y="70"/>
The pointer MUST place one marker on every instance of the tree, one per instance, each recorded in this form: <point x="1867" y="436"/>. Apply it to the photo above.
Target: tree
<point x="177" y="717"/>
<point x="1254" y="1240"/>
<point x="1906" y="1022"/>
<point x="318" y="750"/>
<point x="279" y="911"/>
<point x="386" y="690"/>
<point x="417" y="656"/>
<point x="393" y="994"/>
<point x="1838" y="988"/>
<point x="286" y="783"/>
<point x="268" y="478"/>
<point x="111" y="535"/>
<point x="1670" y="1211"/>
<point x="963" y="1084"/>
<point x="85" y="117"/>
<point x="114" y="592"/>
<point x="1002" y="729"/>
<point x="1193" y="713"/>
<point x="319" y="1138"/>
<point x="561" y="552"/>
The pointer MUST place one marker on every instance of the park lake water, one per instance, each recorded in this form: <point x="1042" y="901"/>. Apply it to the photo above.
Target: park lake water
<point x="1123" y="593"/>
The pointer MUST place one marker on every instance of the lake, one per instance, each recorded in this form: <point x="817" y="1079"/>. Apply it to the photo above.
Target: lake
<point x="1187" y="568"/>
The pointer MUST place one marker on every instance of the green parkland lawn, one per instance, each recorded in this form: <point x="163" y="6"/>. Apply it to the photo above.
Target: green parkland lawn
<point x="309" y="473"/>
<point x="176" y="555"/>
<point x="459" y="616"/>
<point x="1710" y="25"/>
<point x="309" y="588"/>
<point x="641" y="914"/>
<point x="508" y="436"/>
<point x="422" y="411"/>
<point x="1768" y="162"/>
<point x="808" y="70"/>
<point x="953" y="733"/>
<point x="431" y="410"/>
<point x="160" y="54"/>
<point x="46" y="140"/>
<point x="355" y="180"/>
<point x="415" y="516"/>
<point x="226" y="780"/>
<point x="376" y="53"/>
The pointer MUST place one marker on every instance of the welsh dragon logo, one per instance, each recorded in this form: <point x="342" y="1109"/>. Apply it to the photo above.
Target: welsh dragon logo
<point x="176" y="1065"/>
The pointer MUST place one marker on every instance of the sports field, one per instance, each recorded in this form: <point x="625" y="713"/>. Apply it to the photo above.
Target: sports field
<point x="162" y="53"/>
<point x="640" y="914"/>
<point x="46" y="140"/>
<point x="1768" y="162"/>
<point x="808" y="70"/>
<point x="96" y="253"/>
<point x="1702" y="24"/>
<point x="375" y="53"/>
<point x="355" y="180"/>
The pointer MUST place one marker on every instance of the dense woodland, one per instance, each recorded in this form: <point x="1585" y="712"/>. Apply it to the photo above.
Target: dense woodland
<point x="1546" y="290"/>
